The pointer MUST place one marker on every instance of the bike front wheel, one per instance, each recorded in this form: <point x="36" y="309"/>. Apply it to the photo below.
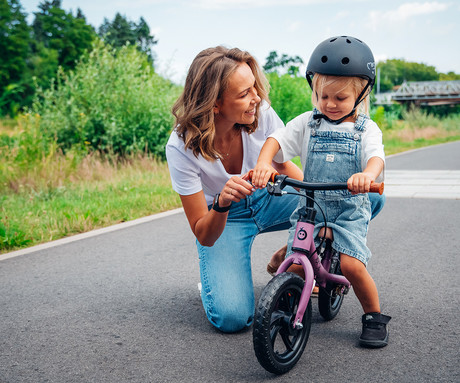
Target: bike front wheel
<point x="277" y="343"/>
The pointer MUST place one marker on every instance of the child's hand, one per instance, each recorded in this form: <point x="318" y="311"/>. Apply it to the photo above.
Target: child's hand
<point x="360" y="182"/>
<point x="261" y="174"/>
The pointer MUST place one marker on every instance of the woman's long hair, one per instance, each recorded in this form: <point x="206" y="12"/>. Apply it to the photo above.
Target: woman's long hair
<point x="206" y="81"/>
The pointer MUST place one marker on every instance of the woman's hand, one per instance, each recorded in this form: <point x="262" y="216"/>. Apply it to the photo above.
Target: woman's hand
<point x="235" y="189"/>
<point x="208" y="225"/>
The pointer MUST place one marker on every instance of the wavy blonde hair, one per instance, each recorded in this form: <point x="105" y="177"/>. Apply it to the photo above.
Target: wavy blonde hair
<point x="357" y="83"/>
<point x="206" y="82"/>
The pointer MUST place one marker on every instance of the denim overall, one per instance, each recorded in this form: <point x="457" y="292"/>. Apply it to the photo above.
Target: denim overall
<point x="334" y="156"/>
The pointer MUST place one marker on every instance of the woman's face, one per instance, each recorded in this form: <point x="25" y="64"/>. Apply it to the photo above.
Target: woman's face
<point x="337" y="100"/>
<point x="238" y="102"/>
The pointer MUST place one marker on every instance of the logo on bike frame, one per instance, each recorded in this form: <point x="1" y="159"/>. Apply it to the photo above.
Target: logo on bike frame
<point x="302" y="234"/>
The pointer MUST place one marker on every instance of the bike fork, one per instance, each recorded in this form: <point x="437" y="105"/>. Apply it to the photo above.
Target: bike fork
<point x="300" y="259"/>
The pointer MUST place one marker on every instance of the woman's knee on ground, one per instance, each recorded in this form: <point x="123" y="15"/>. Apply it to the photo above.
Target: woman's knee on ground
<point x="230" y="319"/>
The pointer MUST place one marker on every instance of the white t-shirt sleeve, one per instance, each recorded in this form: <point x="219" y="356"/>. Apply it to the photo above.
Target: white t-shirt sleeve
<point x="269" y="121"/>
<point x="373" y="146"/>
<point x="185" y="174"/>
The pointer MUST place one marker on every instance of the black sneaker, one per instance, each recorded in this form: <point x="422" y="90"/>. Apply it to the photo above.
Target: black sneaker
<point x="375" y="332"/>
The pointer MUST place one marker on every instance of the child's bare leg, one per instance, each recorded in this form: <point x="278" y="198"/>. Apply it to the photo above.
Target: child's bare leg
<point x="362" y="282"/>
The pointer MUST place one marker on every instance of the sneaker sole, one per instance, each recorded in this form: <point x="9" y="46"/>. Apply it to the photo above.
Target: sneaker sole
<point x="374" y="343"/>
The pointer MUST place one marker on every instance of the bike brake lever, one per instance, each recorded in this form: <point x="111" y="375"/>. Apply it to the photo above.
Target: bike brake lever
<point x="274" y="188"/>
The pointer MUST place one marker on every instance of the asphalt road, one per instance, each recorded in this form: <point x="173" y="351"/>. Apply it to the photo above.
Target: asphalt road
<point x="123" y="306"/>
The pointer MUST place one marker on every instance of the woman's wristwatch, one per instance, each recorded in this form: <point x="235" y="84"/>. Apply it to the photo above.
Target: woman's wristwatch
<point x="216" y="207"/>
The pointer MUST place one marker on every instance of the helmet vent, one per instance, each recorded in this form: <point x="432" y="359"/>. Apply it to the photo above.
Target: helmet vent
<point x="324" y="59"/>
<point x="348" y="41"/>
<point x="333" y="40"/>
<point x="345" y="60"/>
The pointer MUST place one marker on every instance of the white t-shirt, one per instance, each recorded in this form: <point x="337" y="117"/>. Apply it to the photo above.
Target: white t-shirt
<point x="190" y="174"/>
<point x="294" y="140"/>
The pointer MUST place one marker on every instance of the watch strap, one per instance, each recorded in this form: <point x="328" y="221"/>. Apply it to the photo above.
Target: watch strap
<point x="218" y="208"/>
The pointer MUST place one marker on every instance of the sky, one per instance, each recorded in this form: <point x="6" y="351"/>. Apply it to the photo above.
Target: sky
<point x="417" y="31"/>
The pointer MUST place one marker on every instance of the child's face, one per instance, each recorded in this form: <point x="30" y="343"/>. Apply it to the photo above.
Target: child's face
<point x="337" y="100"/>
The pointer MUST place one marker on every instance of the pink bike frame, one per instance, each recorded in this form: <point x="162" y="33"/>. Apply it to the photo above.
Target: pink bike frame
<point x="312" y="266"/>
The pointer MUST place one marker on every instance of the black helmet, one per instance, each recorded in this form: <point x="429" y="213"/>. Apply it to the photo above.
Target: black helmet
<point x="343" y="56"/>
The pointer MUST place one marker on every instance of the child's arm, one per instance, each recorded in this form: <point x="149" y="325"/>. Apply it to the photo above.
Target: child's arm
<point x="290" y="169"/>
<point x="264" y="169"/>
<point x="360" y="182"/>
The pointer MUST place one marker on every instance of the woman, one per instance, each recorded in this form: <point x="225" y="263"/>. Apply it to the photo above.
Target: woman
<point x="222" y="120"/>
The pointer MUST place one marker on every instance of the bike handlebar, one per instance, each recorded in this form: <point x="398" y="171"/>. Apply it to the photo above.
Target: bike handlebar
<point x="376" y="187"/>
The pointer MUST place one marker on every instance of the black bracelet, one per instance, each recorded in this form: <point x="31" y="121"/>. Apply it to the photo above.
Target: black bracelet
<point x="216" y="207"/>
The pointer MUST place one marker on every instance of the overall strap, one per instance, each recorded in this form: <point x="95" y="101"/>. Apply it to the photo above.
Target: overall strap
<point x="361" y="121"/>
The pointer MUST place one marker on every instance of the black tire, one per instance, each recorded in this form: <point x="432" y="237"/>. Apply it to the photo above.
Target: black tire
<point x="329" y="300"/>
<point x="278" y="346"/>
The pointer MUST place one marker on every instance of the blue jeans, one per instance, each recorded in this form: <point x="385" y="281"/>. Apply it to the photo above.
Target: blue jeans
<point x="227" y="289"/>
<point x="377" y="202"/>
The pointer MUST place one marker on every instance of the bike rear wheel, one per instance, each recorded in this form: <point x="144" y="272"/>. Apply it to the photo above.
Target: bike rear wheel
<point x="330" y="299"/>
<point x="277" y="344"/>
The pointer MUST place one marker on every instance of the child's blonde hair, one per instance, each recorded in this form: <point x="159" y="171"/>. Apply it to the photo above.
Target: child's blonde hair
<point x="357" y="83"/>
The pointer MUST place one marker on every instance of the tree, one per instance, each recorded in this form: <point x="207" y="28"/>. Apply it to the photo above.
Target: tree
<point x="121" y="31"/>
<point x="290" y="96"/>
<point x="14" y="50"/>
<point x="449" y="76"/>
<point x="394" y="72"/>
<point x="288" y="64"/>
<point x="58" y="30"/>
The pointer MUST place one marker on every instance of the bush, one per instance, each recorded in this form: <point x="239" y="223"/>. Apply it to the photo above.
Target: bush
<point x="290" y="96"/>
<point x="113" y="102"/>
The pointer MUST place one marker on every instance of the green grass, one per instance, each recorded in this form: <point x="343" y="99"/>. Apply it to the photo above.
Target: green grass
<point x="105" y="197"/>
<point x="29" y="219"/>
<point x="393" y="145"/>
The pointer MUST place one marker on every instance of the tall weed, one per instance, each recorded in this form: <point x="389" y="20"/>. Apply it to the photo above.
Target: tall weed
<point x="112" y="102"/>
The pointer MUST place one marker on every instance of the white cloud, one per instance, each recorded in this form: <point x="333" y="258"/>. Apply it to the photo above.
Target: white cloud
<point x="294" y="26"/>
<point x="380" y="57"/>
<point x="407" y="11"/>
<point x="342" y="15"/>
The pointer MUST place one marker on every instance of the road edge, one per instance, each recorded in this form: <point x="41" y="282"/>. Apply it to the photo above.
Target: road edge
<point x="89" y="234"/>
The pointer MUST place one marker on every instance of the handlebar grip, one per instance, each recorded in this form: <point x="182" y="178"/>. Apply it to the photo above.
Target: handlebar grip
<point x="272" y="177"/>
<point x="376" y="187"/>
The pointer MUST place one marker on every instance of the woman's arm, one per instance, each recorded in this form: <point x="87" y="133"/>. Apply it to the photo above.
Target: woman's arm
<point x="208" y="225"/>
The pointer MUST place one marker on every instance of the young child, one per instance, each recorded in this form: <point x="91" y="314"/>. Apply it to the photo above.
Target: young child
<point x="337" y="142"/>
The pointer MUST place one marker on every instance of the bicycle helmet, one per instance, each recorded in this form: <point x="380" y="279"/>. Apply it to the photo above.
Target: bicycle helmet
<point x="343" y="56"/>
